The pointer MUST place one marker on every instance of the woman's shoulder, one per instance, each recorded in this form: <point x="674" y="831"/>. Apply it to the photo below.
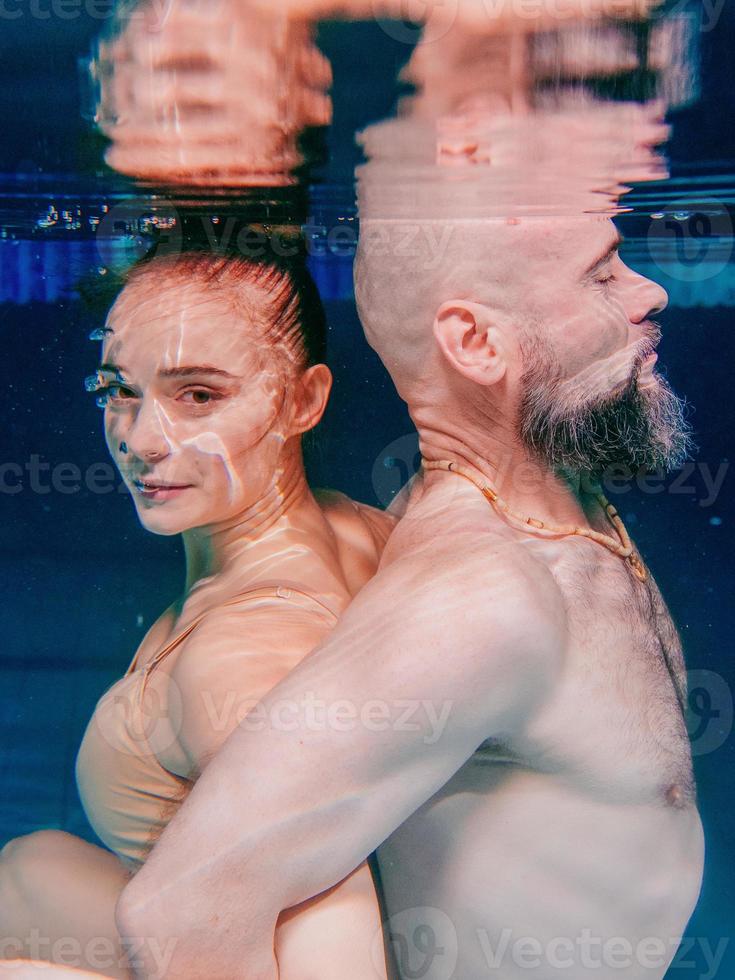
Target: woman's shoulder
<point x="353" y="518"/>
<point x="248" y="642"/>
<point x="361" y="533"/>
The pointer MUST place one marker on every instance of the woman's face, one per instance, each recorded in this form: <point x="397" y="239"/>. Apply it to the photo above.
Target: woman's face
<point x="195" y="415"/>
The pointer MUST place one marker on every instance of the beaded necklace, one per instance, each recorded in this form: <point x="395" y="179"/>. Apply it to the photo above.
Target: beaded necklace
<point x="623" y="547"/>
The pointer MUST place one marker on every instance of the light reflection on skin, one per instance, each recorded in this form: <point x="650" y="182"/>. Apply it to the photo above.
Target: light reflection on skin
<point x="612" y="295"/>
<point x="195" y="431"/>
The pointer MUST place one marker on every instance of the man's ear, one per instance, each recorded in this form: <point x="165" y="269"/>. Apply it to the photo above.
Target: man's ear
<point x="311" y="394"/>
<point x="470" y="341"/>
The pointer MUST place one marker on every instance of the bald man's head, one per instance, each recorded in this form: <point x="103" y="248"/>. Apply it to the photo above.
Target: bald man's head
<point x="405" y="270"/>
<point x="536" y="323"/>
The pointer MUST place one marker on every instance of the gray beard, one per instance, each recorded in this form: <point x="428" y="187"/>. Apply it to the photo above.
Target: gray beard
<point x="638" y="428"/>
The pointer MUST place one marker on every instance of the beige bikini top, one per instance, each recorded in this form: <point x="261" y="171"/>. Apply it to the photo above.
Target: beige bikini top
<point x="267" y="591"/>
<point x="126" y="793"/>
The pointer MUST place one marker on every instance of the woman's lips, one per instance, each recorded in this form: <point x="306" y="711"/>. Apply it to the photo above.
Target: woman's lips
<point x="159" y="491"/>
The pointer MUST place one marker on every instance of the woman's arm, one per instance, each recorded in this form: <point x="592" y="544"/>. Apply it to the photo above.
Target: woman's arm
<point x="336" y="935"/>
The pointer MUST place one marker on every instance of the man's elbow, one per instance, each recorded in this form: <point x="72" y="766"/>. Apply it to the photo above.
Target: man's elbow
<point x="127" y="909"/>
<point x="150" y="933"/>
<point x="136" y="911"/>
<point x="192" y="935"/>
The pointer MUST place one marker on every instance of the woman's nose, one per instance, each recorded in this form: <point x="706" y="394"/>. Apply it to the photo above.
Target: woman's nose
<point x="146" y="437"/>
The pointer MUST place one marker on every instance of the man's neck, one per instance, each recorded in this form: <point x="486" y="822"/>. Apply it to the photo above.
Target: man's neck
<point x="528" y="486"/>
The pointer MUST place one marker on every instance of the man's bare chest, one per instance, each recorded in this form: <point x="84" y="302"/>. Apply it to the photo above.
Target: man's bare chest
<point x="615" y="722"/>
<point x="611" y="612"/>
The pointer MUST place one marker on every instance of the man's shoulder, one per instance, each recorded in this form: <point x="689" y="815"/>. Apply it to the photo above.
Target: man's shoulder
<point x="485" y="560"/>
<point x="506" y="585"/>
<point x="483" y="587"/>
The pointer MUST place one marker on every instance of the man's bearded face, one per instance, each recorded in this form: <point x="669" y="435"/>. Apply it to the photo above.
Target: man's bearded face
<point x="641" y="425"/>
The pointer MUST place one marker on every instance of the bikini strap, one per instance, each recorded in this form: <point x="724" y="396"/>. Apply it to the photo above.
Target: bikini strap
<point x="276" y="590"/>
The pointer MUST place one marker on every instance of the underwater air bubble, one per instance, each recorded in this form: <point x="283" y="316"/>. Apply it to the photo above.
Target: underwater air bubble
<point x="94" y="382"/>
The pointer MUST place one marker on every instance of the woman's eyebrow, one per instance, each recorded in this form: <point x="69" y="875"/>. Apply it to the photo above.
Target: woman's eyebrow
<point x="187" y="372"/>
<point x="178" y="372"/>
<point x="111" y="369"/>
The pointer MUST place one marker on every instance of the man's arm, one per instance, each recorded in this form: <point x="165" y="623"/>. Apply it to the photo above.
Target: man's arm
<point x="434" y="656"/>
<point x="219" y="677"/>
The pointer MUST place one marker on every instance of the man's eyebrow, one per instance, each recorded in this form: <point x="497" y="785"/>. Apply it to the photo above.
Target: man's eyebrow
<point x="605" y="257"/>
<point x="178" y="372"/>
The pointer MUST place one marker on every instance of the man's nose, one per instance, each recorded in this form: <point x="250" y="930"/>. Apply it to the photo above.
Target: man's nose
<point x="649" y="299"/>
<point x="146" y="437"/>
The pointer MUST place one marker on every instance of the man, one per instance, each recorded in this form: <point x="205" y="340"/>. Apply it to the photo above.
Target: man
<point x="500" y="711"/>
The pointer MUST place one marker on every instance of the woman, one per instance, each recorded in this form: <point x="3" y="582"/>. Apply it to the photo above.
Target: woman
<point x="211" y="373"/>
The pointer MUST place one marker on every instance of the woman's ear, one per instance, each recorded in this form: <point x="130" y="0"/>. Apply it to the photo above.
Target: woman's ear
<point x="471" y="341"/>
<point x="311" y="394"/>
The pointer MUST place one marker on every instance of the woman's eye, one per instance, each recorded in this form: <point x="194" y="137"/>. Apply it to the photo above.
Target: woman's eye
<point x="114" y="394"/>
<point x="199" y="396"/>
<point x="605" y="280"/>
<point x="117" y="395"/>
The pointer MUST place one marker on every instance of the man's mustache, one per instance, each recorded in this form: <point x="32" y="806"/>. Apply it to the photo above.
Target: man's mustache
<point x="652" y="335"/>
